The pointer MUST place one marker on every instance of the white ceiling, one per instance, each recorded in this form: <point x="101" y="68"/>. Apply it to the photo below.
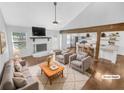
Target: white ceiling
<point x="41" y="13"/>
<point x="98" y="13"/>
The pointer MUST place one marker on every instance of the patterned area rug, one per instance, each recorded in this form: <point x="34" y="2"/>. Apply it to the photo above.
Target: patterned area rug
<point x="73" y="80"/>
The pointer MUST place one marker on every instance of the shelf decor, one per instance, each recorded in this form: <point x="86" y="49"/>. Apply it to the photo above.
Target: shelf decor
<point x="49" y="60"/>
<point x="103" y="35"/>
<point x="87" y="35"/>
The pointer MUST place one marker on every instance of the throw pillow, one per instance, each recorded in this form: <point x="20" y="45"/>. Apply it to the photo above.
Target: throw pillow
<point x="65" y="51"/>
<point x="19" y="82"/>
<point x="18" y="66"/>
<point x="18" y="74"/>
<point x="80" y="57"/>
<point x="83" y="53"/>
<point x="22" y="62"/>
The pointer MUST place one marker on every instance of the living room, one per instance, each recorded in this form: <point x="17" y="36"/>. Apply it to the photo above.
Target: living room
<point x="45" y="46"/>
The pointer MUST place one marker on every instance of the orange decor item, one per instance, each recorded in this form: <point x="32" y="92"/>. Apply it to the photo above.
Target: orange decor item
<point x="51" y="74"/>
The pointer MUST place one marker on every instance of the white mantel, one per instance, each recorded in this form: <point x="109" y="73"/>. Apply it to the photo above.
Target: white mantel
<point x="42" y="40"/>
<point x="40" y="37"/>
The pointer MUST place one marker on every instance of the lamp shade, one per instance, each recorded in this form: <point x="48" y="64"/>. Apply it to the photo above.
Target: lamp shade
<point x="103" y="35"/>
<point x="16" y="51"/>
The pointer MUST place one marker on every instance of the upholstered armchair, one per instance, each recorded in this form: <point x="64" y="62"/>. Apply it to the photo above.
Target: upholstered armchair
<point x="80" y="62"/>
<point x="62" y="56"/>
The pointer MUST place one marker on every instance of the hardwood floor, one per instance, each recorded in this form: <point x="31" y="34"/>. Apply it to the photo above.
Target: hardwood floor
<point x="97" y="82"/>
<point x="34" y="61"/>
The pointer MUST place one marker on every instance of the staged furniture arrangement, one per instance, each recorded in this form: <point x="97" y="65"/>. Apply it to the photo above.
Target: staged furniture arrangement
<point x="85" y="47"/>
<point x="51" y="74"/>
<point x="16" y="76"/>
<point x="80" y="62"/>
<point x="62" y="56"/>
<point x="83" y="57"/>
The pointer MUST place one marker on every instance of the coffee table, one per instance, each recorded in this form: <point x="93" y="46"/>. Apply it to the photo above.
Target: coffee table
<point x="51" y="74"/>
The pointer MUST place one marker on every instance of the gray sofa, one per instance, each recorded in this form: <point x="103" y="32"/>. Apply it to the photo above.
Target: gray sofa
<point x="62" y="56"/>
<point x="7" y="78"/>
<point x="80" y="65"/>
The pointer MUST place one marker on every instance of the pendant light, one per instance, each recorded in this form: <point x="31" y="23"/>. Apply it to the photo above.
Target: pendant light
<point x="55" y="21"/>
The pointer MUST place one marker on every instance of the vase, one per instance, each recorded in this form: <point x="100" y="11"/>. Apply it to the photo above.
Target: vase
<point x="48" y="62"/>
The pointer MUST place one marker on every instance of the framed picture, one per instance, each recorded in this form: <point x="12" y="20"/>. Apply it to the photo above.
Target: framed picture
<point x="2" y="42"/>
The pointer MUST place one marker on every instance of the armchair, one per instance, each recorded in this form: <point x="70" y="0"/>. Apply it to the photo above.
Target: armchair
<point x="80" y="65"/>
<point x="62" y="56"/>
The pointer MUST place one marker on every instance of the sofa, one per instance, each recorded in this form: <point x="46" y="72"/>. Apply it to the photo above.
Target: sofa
<point x="62" y="56"/>
<point x="8" y="83"/>
<point x="79" y="62"/>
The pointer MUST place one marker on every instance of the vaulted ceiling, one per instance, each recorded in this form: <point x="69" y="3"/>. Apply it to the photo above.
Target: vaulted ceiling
<point x="30" y="14"/>
<point x="98" y="13"/>
<point x="69" y="14"/>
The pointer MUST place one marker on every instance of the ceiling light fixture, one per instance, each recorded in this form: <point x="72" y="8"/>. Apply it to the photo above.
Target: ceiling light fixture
<point x="55" y="21"/>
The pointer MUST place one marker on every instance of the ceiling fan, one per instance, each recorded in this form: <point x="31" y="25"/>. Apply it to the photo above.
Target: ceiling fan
<point x="55" y="21"/>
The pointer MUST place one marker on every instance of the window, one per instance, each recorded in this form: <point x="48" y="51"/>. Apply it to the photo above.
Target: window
<point x="68" y="39"/>
<point x="19" y="40"/>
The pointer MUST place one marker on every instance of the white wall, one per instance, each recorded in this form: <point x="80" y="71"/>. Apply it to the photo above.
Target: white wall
<point x="64" y="41"/>
<point x="121" y="39"/>
<point x="52" y="44"/>
<point x="120" y="43"/>
<point x="98" y="13"/>
<point x="55" y="41"/>
<point x="5" y="56"/>
<point x="29" y="47"/>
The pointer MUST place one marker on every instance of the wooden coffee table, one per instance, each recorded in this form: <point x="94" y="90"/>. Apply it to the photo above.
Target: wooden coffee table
<point x="52" y="74"/>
